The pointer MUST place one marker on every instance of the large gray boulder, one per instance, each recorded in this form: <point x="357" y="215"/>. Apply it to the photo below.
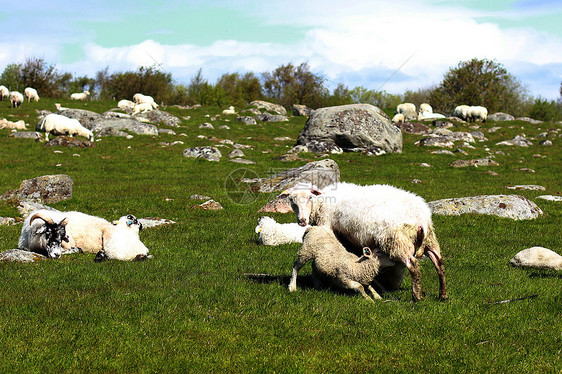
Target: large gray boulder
<point x="160" y="117"/>
<point x="351" y="127"/>
<point x="538" y="258"/>
<point x="19" y="255"/>
<point x="270" y="107"/>
<point x="500" y="117"/>
<point x="508" y="206"/>
<point x="320" y="173"/>
<point x="123" y="124"/>
<point x="47" y="189"/>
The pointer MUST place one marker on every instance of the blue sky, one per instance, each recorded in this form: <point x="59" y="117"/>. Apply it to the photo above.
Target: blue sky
<point x="392" y="45"/>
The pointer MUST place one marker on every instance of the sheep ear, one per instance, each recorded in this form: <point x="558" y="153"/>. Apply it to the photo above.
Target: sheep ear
<point x="315" y="191"/>
<point x="367" y="252"/>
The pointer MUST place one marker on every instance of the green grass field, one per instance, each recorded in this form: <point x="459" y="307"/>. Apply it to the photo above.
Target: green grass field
<point x="198" y="305"/>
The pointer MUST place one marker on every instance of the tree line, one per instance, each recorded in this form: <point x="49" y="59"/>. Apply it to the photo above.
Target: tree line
<point x="473" y="82"/>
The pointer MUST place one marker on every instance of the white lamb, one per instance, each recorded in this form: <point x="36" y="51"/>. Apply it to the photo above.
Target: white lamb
<point x="143" y="107"/>
<point x="125" y="104"/>
<point x="334" y="264"/>
<point x="4" y="93"/>
<point x="80" y="96"/>
<point x="461" y="112"/>
<point x="122" y="241"/>
<point x="477" y="113"/>
<point x="60" y="125"/>
<point x="16" y="99"/>
<point x="398" y="118"/>
<point x="229" y="111"/>
<point x="274" y="233"/>
<point x="408" y="110"/>
<point x="377" y="216"/>
<point x="424" y="107"/>
<point x="31" y="94"/>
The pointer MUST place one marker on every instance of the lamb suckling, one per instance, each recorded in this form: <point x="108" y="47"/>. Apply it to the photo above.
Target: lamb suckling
<point x="274" y="233"/>
<point x="60" y="125"/>
<point x="80" y="96"/>
<point x="4" y="92"/>
<point x="331" y="262"/>
<point x="16" y="99"/>
<point x="122" y="241"/>
<point x="376" y="216"/>
<point x="31" y="94"/>
<point x="44" y="232"/>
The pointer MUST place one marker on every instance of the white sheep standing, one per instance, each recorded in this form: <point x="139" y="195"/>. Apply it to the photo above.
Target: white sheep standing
<point x="376" y="216"/>
<point x="4" y="92"/>
<point x="229" y="111"/>
<point x="122" y="241"/>
<point x="461" y="112"/>
<point x="477" y="113"/>
<point x="16" y="99"/>
<point x="399" y="117"/>
<point x="425" y="107"/>
<point x="44" y="232"/>
<point x="408" y="110"/>
<point x="80" y="96"/>
<point x="274" y="233"/>
<point x="31" y="94"/>
<point x="60" y="125"/>
<point x="334" y="264"/>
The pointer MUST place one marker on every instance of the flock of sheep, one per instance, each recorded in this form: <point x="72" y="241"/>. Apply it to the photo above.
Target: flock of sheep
<point x="351" y="233"/>
<point x="407" y="112"/>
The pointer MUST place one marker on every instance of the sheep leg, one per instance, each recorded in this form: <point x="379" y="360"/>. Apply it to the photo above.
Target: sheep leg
<point x="358" y="287"/>
<point x="374" y="293"/>
<point x="296" y="267"/>
<point x="437" y="260"/>
<point x="414" y="267"/>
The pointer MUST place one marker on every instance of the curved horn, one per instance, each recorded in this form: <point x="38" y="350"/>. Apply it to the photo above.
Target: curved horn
<point x="47" y="219"/>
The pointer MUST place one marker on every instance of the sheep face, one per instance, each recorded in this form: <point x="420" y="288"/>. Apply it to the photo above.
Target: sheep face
<point x="130" y="221"/>
<point x="302" y="197"/>
<point x="54" y="234"/>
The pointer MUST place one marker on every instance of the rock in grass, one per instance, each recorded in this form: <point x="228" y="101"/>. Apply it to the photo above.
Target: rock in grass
<point x="47" y="189"/>
<point x="209" y="205"/>
<point x="476" y="163"/>
<point x="529" y="187"/>
<point x="7" y="221"/>
<point x="206" y="153"/>
<point x="18" y="255"/>
<point x="508" y="206"/>
<point x="538" y="258"/>
<point x="550" y="198"/>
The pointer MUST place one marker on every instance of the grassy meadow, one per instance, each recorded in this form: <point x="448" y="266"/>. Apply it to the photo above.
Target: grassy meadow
<point x="213" y="300"/>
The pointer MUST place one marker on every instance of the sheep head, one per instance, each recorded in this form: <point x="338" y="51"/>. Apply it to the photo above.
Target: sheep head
<point x="53" y="232"/>
<point x="301" y="197"/>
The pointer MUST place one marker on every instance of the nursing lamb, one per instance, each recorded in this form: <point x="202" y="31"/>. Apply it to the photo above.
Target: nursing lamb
<point x="377" y="216"/>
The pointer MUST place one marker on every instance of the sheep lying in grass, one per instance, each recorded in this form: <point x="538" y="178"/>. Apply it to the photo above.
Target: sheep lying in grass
<point x="4" y="93"/>
<point x="122" y="242"/>
<point x="44" y="232"/>
<point x="424" y="107"/>
<point x="377" y="216"/>
<point x="80" y="96"/>
<point x="274" y="233"/>
<point x="143" y="107"/>
<point x="125" y="105"/>
<point x="19" y="125"/>
<point x="334" y="264"/>
<point x="408" y="110"/>
<point x="60" y="125"/>
<point x="31" y="94"/>
<point x="16" y="99"/>
<point x="85" y="231"/>
<point x="139" y="98"/>
<point x="229" y="111"/>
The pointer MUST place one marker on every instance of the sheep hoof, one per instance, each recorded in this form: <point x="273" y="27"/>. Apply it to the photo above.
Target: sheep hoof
<point x="100" y="256"/>
<point x="141" y="257"/>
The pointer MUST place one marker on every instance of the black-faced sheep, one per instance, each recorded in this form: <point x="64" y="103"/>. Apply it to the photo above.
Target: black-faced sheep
<point x="377" y="216"/>
<point x="332" y="263"/>
<point x="43" y="232"/>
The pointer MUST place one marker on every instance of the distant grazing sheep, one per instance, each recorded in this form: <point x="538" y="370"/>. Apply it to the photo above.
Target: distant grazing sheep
<point x="408" y="110"/>
<point x="477" y="113"/>
<point x="31" y="94"/>
<point x="16" y="99"/>
<point x="122" y="241"/>
<point x="80" y="96"/>
<point x="142" y="107"/>
<point x="60" y="125"/>
<point x="4" y="93"/>
<point x="43" y="232"/>
<point x="461" y="112"/>
<point x="274" y="233"/>
<point x="334" y="264"/>
<point x="376" y="216"/>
